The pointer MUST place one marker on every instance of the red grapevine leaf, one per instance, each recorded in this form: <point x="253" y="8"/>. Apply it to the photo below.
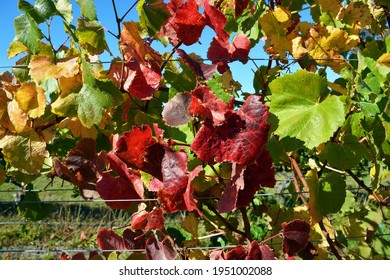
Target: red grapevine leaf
<point x="237" y="253"/>
<point x="240" y="6"/>
<point x="148" y="220"/>
<point x="216" y="20"/>
<point x="207" y="105"/>
<point x="241" y="138"/>
<point x="140" y="150"/>
<point x="259" y="173"/>
<point x="221" y="51"/>
<point x="175" y="180"/>
<point x="189" y="22"/>
<point x="123" y="187"/>
<point x="229" y="198"/>
<point x="134" y="240"/>
<point x="116" y="188"/>
<point x="78" y="257"/>
<point x="256" y="252"/>
<point x="175" y="112"/>
<point x="87" y="165"/>
<point x="133" y="45"/>
<point x="241" y="47"/>
<point x="200" y="69"/>
<point x="189" y="193"/>
<point x="309" y="253"/>
<point x="108" y="240"/>
<point x="143" y="80"/>
<point x="295" y="236"/>
<point x="217" y="255"/>
<point x="157" y="250"/>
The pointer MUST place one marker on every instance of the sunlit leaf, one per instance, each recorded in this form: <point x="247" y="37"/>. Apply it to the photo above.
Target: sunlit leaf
<point x="305" y="113"/>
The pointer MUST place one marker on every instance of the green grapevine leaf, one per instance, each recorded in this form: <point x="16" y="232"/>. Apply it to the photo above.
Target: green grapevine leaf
<point x="152" y="14"/>
<point x="64" y="7"/>
<point x="327" y="195"/>
<point x="91" y="36"/>
<point x="344" y="156"/>
<point x="95" y="96"/>
<point x="305" y="112"/>
<point x="27" y="32"/>
<point x="26" y="151"/>
<point x="41" y="11"/>
<point x="88" y="9"/>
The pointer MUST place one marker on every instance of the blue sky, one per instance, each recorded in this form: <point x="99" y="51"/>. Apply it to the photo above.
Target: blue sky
<point x="105" y="12"/>
<point x="241" y="73"/>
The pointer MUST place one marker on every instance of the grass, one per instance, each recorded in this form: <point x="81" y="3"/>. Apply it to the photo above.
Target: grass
<point x="70" y="225"/>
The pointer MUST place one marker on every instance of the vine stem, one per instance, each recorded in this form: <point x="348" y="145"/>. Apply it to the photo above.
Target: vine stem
<point x="270" y="238"/>
<point x="366" y="188"/>
<point x="226" y="222"/>
<point x="334" y="247"/>
<point x="247" y="224"/>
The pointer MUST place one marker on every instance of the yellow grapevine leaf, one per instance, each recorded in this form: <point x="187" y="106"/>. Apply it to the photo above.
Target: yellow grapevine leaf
<point x="18" y="119"/>
<point x="133" y="45"/>
<point x="329" y="6"/>
<point x="15" y="48"/>
<point x="77" y="129"/>
<point x="41" y="68"/>
<point x="70" y="85"/>
<point x="280" y="28"/>
<point x="326" y="43"/>
<point x="26" y="151"/>
<point x="356" y="16"/>
<point x="31" y="99"/>
<point x="385" y="59"/>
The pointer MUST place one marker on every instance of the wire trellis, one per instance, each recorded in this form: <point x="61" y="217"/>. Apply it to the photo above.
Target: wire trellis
<point x="24" y="66"/>
<point x="208" y="248"/>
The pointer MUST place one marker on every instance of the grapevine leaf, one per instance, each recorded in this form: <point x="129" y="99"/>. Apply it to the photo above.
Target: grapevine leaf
<point x="133" y="45"/>
<point x="27" y="32"/>
<point x="239" y="139"/>
<point x="42" y="69"/>
<point x="31" y="99"/>
<point x="87" y="165"/>
<point x="134" y="240"/>
<point x="207" y="105"/>
<point x="240" y="6"/>
<point x="305" y="113"/>
<point x="281" y="29"/>
<point x="229" y="198"/>
<point x="18" y="120"/>
<point x="41" y="11"/>
<point x="259" y="252"/>
<point x="326" y="43"/>
<point x="91" y="36"/>
<point x="216" y="20"/>
<point x="66" y="106"/>
<point x="108" y="241"/>
<point x="326" y="195"/>
<point x="189" y="193"/>
<point x="221" y="51"/>
<point x="159" y="250"/>
<point x="152" y="15"/>
<point x="238" y="253"/>
<point x="189" y="22"/>
<point x="344" y="156"/>
<point x="143" y="220"/>
<point x="143" y="79"/>
<point x="26" y="151"/>
<point x="200" y="69"/>
<point x="15" y="48"/>
<point x="175" y="112"/>
<point x="140" y="150"/>
<point x="295" y="236"/>
<point x="88" y="9"/>
<point x="127" y="186"/>
<point x="259" y="173"/>
<point x="95" y="96"/>
<point x="64" y="7"/>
